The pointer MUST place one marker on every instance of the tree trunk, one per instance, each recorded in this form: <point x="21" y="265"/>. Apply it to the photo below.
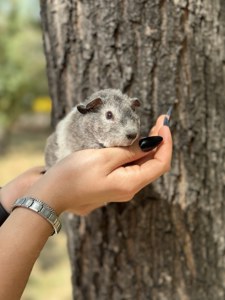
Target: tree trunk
<point x="168" y="243"/>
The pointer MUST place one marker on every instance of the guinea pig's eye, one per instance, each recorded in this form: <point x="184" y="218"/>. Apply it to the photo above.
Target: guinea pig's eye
<point x="109" y="115"/>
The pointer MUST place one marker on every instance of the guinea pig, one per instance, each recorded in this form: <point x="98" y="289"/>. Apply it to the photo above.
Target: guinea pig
<point x="108" y="118"/>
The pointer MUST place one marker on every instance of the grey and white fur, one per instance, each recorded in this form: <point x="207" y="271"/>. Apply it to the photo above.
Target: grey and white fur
<point x="107" y="118"/>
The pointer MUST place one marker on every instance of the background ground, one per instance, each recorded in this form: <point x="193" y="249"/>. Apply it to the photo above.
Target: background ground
<point x="50" y="278"/>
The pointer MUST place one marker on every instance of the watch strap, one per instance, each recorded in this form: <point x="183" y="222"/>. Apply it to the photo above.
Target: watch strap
<point x="40" y="208"/>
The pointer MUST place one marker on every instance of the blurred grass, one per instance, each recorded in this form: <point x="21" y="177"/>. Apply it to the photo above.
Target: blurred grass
<point x="50" y="278"/>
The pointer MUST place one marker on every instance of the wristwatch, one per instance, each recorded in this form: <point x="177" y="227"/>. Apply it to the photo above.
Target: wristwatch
<point x="40" y="208"/>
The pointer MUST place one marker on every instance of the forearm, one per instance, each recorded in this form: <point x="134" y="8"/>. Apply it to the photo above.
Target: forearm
<point x="23" y="227"/>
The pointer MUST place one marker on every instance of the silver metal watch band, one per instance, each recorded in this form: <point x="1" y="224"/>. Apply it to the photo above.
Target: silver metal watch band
<point x="42" y="209"/>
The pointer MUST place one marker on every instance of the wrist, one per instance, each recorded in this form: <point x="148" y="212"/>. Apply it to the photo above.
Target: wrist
<point x="43" y="191"/>
<point x="42" y="209"/>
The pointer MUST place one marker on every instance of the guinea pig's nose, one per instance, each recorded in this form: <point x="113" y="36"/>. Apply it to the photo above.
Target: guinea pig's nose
<point x="131" y="136"/>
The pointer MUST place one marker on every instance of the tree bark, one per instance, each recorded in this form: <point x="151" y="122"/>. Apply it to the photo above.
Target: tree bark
<point x="168" y="243"/>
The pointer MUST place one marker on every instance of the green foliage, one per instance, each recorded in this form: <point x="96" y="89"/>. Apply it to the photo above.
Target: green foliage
<point x="22" y="64"/>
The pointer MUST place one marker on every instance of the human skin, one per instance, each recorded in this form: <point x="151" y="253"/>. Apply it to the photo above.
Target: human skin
<point x="111" y="174"/>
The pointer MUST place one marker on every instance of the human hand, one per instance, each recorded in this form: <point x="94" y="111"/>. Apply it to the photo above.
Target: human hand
<point x="19" y="186"/>
<point x="87" y="179"/>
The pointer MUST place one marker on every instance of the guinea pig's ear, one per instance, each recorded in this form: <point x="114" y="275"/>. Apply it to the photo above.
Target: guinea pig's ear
<point x="135" y="103"/>
<point x="91" y="106"/>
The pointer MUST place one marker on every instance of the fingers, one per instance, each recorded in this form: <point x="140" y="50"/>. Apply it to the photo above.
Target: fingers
<point x="160" y="164"/>
<point x="118" y="156"/>
<point x="157" y="126"/>
<point x="132" y="178"/>
<point x="122" y="155"/>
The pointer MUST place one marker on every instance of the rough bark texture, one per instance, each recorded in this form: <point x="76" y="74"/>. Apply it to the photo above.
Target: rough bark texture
<point x="169" y="242"/>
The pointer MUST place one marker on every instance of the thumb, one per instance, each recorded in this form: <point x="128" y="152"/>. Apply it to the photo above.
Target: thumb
<point x="119" y="156"/>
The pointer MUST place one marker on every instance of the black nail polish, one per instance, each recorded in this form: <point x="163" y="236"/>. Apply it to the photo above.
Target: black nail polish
<point x="168" y="116"/>
<point x="166" y="122"/>
<point x="149" y="143"/>
<point x="169" y="112"/>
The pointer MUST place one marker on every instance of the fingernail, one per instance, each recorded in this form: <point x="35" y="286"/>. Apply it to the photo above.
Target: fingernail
<point x="168" y="115"/>
<point x="169" y="112"/>
<point x="149" y="143"/>
<point x="166" y="122"/>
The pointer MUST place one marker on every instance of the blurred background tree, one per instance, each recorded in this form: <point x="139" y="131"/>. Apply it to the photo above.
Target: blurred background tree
<point x="22" y="73"/>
